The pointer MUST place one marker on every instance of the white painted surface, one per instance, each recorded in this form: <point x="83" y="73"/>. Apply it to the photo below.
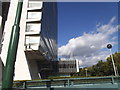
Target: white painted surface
<point x="0" y="29"/>
<point x="21" y="66"/>
<point x="1" y="65"/>
<point x="77" y="65"/>
<point x="0" y="20"/>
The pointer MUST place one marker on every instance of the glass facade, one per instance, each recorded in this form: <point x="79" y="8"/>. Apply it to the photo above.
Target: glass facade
<point x="34" y="15"/>
<point x="33" y="27"/>
<point x="35" y="4"/>
<point x="48" y="41"/>
<point x="46" y="28"/>
<point x="32" y="42"/>
<point x="41" y="38"/>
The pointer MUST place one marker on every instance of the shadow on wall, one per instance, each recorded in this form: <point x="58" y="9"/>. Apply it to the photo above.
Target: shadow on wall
<point x="1" y="69"/>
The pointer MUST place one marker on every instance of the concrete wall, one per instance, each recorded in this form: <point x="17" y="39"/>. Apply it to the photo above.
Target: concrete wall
<point x="0" y="33"/>
<point x="0" y="20"/>
<point x="41" y="67"/>
<point x="33" y="69"/>
<point x="21" y="66"/>
<point x="1" y="69"/>
<point x="4" y="7"/>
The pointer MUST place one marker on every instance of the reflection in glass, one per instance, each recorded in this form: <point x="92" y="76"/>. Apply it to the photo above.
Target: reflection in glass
<point x="34" y="15"/>
<point x="32" y="39"/>
<point x="33" y="4"/>
<point x="33" y="27"/>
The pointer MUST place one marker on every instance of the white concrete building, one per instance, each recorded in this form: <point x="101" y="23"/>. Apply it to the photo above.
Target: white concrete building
<point x="33" y="43"/>
<point x="68" y="66"/>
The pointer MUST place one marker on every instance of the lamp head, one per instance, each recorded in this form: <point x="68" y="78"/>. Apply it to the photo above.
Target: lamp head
<point x="109" y="46"/>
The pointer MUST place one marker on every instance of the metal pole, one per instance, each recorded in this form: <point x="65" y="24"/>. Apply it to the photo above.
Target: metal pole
<point x="117" y="71"/>
<point x="113" y="62"/>
<point x="86" y="72"/>
<point x="12" y="51"/>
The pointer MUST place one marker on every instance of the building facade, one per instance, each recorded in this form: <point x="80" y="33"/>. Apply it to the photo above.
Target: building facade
<point x="68" y="66"/>
<point x="37" y="46"/>
<point x="4" y="7"/>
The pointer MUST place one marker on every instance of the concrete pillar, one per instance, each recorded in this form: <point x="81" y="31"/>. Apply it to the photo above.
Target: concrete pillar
<point x="1" y="69"/>
<point x="34" y="72"/>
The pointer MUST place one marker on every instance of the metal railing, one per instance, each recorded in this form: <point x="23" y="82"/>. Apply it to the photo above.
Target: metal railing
<point x="31" y="46"/>
<point x="68" y="82"/>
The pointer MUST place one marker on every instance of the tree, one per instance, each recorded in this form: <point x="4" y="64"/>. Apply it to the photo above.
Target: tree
<point x="103" y="68"/>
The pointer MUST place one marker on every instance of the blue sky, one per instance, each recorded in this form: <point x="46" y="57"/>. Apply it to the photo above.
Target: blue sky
<point x="80" y="20"/>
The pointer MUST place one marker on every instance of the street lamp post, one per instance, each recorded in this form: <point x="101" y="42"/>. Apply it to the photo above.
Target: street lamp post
<point x="109" y="46"/>
<point x="86" y="71"/>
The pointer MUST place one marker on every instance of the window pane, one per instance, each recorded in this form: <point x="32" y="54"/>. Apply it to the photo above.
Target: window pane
<point x="33" y="4"/>
<point x="35" y="27"/>
<point x="34" y="15"/>
<point x="32" y="40"/>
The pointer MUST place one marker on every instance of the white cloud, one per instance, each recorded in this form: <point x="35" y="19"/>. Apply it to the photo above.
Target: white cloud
<point x="112" y="20"/>
<point x="88" y="48"/>
<point x="98" y="24"/>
